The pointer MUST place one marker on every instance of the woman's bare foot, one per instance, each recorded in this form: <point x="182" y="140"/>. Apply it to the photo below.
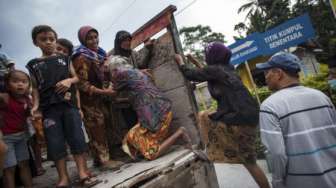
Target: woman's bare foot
<point x="185" y="137"/>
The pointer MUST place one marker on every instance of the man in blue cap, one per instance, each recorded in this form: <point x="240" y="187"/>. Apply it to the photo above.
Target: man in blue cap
<point x="298" y="128"/>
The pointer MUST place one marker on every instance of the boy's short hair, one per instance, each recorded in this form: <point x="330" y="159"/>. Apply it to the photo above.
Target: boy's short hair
<point x="40" y="29"/>
<point x="66" y="43"/>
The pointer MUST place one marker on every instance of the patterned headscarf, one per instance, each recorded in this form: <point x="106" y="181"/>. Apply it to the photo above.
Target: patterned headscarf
<point x="100" y="55"/>
<point x="216" y="53"/>
<point x="83" y="32"/>
<point x="120" y="37"/>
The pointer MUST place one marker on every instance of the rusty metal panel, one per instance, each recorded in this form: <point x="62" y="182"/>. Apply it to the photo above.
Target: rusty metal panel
<point x="168" y="76"/>
<point x="197" y="174"/>
<point x="169" y="79"/>
<point x="155" y="25"/>
<point x="183" y="112"/>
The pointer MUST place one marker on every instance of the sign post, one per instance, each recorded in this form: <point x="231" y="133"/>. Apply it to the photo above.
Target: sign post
<point x="252" y="81"/>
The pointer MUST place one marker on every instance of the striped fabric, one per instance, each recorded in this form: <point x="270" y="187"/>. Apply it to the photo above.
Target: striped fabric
<point x="298" y="128"/>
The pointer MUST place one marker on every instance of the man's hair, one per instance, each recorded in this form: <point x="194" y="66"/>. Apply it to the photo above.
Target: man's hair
<point x="41" y="29"/>
<point x="66" y="43"/>
<point x="292" y="74"/>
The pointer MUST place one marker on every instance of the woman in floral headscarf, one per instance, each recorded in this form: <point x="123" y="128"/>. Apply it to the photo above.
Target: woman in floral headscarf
<point x="88" y="60"/>
<point x="229" y="133"/>
<point x="124" y="115"/>
<point x="150" y="135"/>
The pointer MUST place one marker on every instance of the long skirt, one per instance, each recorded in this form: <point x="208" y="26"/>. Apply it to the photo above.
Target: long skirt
<point x="227" y="143"/>
<point x="140" y="139"/>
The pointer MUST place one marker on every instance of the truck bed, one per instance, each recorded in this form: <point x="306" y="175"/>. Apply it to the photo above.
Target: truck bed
<point x="178" y="168"/>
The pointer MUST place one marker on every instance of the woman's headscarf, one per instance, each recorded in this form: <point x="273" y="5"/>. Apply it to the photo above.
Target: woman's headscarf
<point x="216" y="53"/>
<point x="121" y="36"/>
<point x="99" y="55"/>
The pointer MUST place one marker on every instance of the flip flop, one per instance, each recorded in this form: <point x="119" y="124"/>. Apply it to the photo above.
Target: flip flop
<point x="87" y="182"/>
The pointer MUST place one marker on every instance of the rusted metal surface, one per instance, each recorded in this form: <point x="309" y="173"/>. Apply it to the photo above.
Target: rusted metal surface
<point x="134" y="173"/>
<point x="190" y="172"/>
<point x="155" y="25"/>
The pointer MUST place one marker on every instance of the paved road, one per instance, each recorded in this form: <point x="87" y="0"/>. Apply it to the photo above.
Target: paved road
<point x="236" y="176"/>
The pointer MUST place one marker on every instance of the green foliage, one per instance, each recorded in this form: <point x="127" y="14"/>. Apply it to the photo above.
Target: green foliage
<point x="263" y="14"/>
<point x="323" y="22"/>
<point x="318" y="81"/>
<point x="195" y="39"/>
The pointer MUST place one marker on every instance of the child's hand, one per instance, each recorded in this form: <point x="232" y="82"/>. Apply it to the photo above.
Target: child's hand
<point x="63" y="86"/>
<point x="81" y="114"/>
<point x="35" y="113"/>
<point x="109" y="92"/>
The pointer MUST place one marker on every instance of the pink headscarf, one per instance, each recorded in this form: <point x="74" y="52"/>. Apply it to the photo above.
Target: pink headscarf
<point x="83" y="31"/>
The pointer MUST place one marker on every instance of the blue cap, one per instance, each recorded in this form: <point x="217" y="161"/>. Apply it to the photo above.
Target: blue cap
<point x="282" y="60"/>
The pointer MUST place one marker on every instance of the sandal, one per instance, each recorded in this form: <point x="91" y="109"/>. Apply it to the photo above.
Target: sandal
<point x="91" y="174"/>
<point x="89" y="182"/>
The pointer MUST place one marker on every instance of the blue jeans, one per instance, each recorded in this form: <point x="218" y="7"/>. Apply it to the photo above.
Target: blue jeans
<point x="62" y="123"/>
<point x="17" y="149"/>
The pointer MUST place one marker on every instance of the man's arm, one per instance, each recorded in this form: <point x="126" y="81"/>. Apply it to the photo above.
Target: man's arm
<point x="272" y="137"/>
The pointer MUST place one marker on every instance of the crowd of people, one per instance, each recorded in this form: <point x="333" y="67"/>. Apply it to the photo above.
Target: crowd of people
<point x="72" y="97"/>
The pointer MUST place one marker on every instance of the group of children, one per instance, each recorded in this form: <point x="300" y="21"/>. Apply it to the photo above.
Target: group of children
<point x="64" y="88"/>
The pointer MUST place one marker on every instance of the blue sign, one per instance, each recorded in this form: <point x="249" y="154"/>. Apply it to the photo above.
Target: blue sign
<point x="246" y="49"/>
<point x="290" y="33"/>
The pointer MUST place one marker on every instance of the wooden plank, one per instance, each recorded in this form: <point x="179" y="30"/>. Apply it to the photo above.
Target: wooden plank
<point x="153" y="26"/>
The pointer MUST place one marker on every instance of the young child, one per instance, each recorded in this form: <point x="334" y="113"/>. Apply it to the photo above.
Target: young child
<point x="15" y="110"/>
<point x="65" y="47"/>
<point x="53" y="79"/>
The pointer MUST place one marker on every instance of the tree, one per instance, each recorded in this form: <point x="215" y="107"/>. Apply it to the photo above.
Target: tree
<point x="323" y="22"/>
<point x="195" y="39"/>
<point x="264" y="14"/>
